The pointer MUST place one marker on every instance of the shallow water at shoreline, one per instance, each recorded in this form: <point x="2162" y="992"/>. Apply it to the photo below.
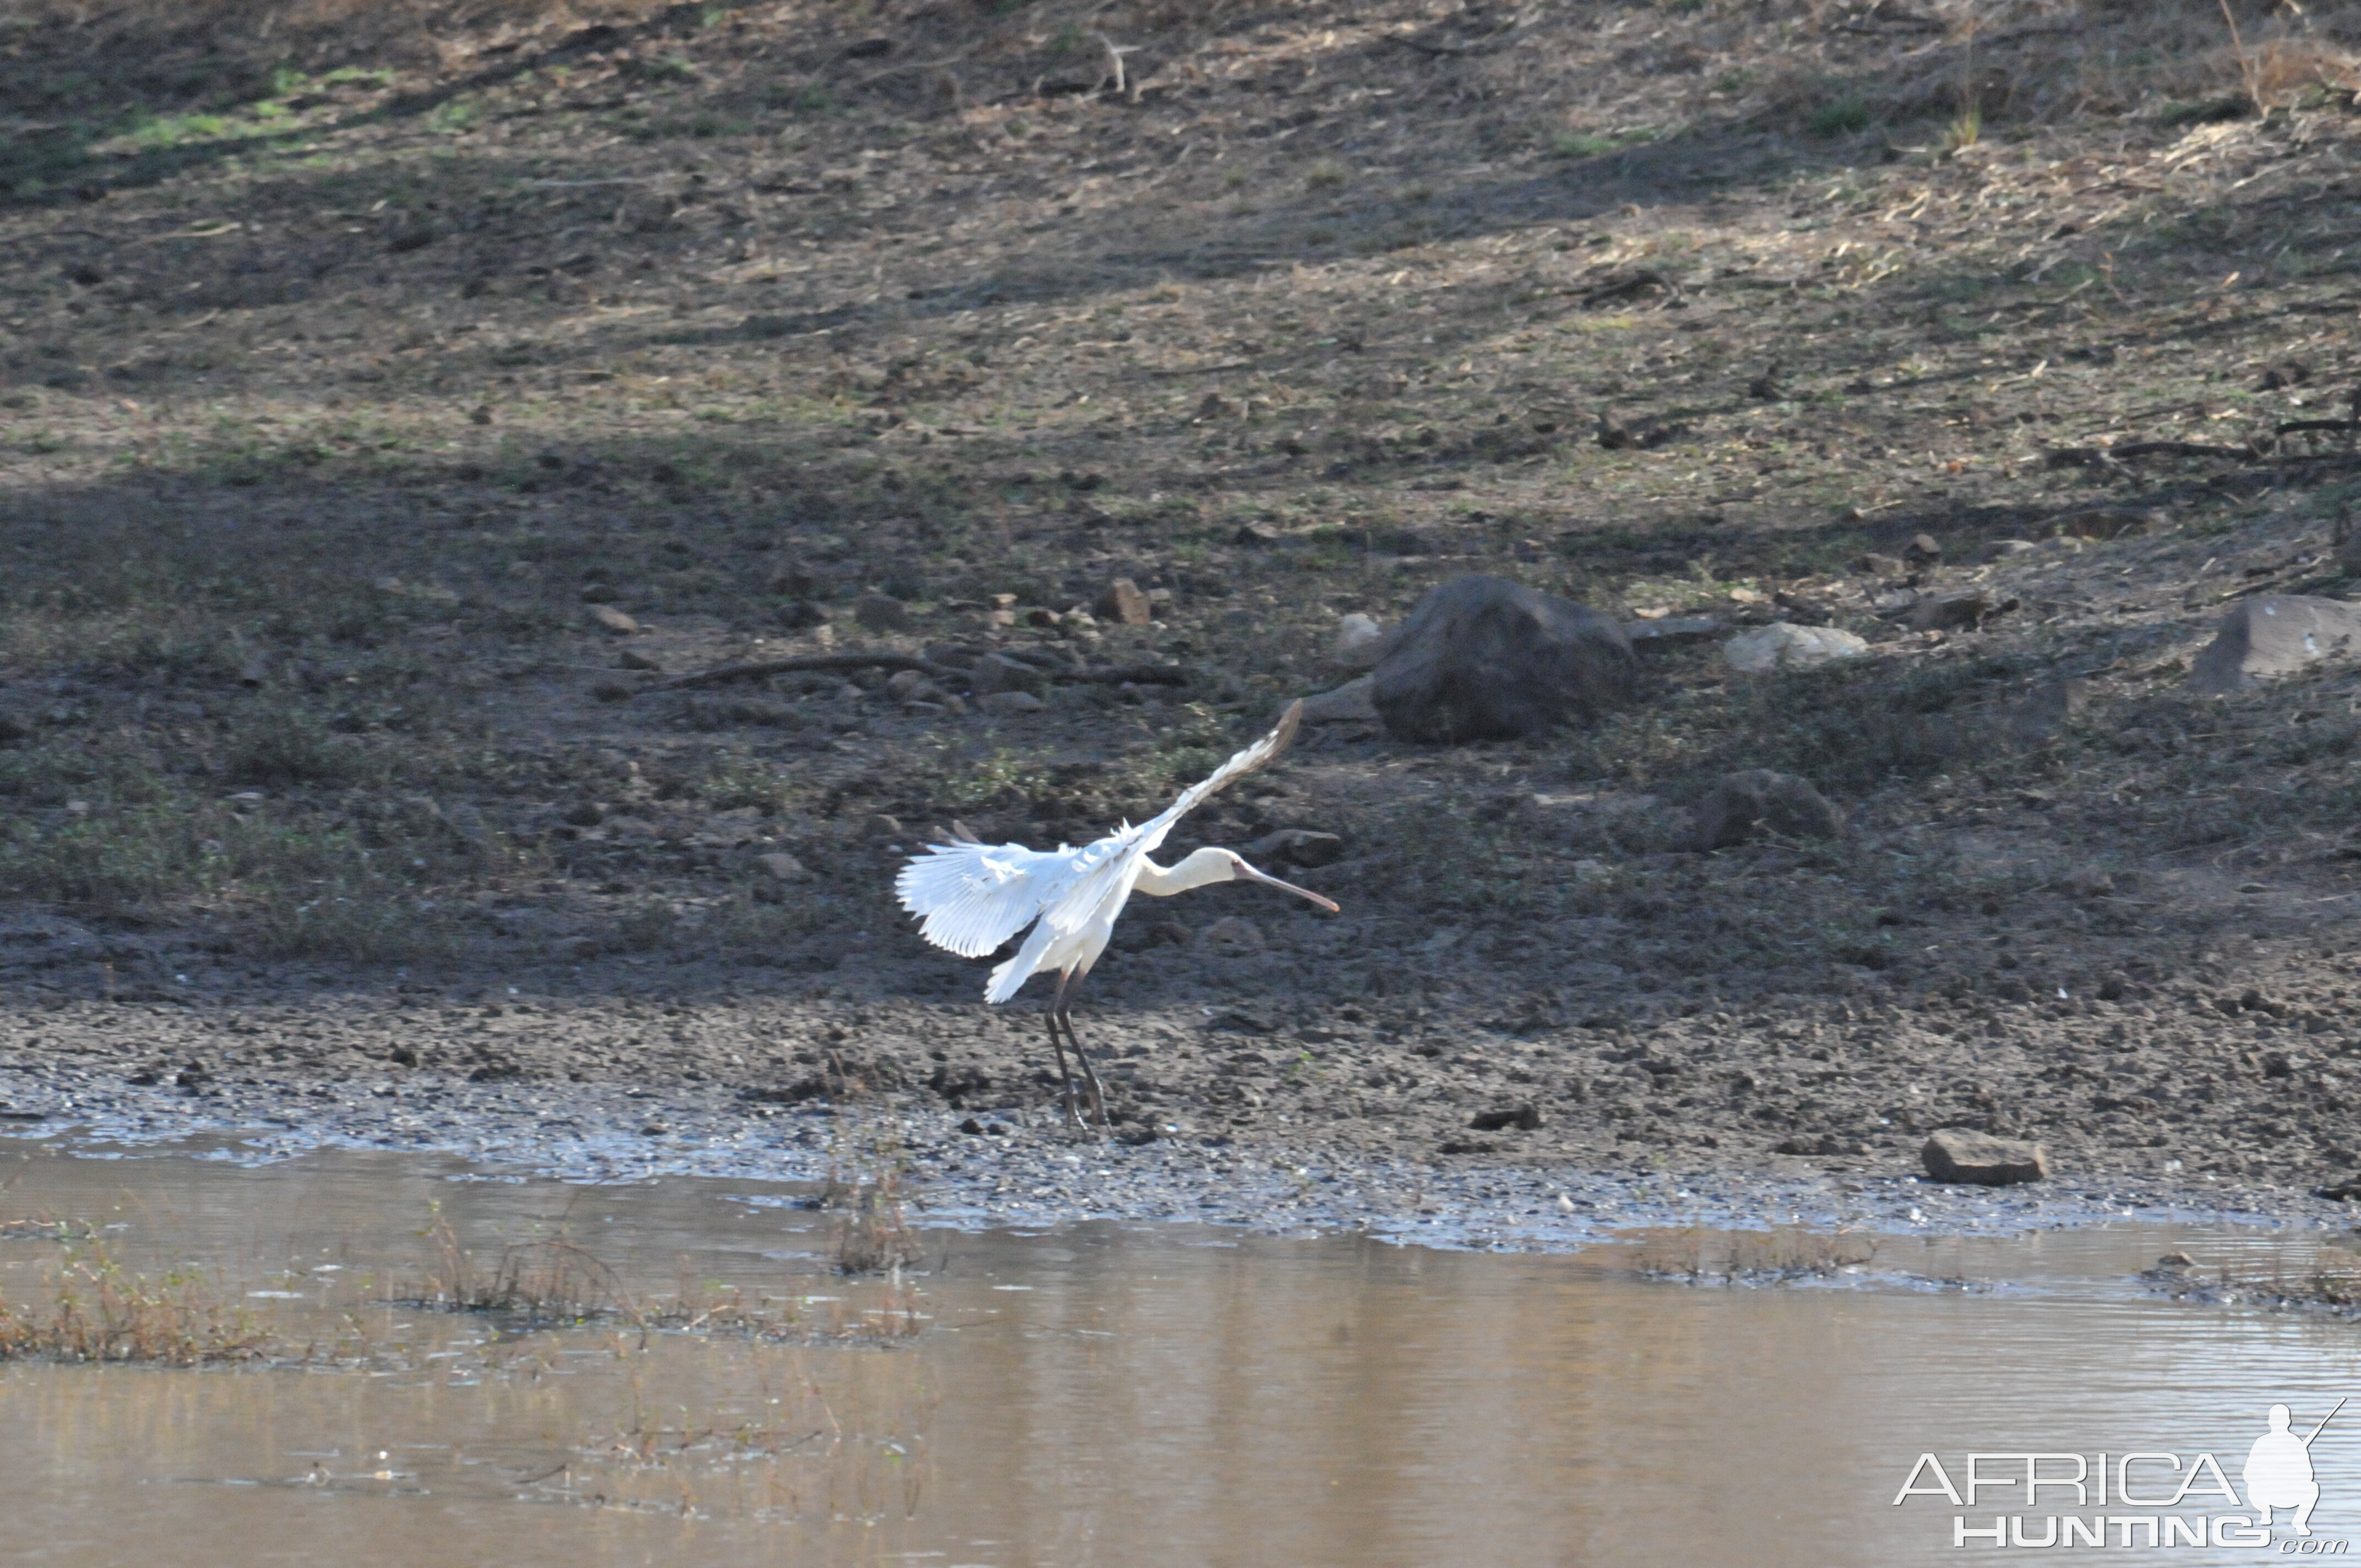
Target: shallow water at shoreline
<point x="1102" y="1392"/>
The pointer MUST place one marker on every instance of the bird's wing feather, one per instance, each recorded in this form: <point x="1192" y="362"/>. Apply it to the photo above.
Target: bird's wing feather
<point x="974" y="897"/>
<point x="1104" y="868"/>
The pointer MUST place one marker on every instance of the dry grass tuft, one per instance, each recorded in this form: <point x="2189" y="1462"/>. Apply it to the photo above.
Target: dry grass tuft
<point x="91" y="1309"/>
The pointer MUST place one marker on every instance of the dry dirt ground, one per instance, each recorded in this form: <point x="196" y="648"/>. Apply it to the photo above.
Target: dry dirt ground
<point x="368" y="371"/>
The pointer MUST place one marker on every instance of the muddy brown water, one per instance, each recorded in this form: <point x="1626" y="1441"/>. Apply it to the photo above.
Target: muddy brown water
<point x="1111" y="1394"/>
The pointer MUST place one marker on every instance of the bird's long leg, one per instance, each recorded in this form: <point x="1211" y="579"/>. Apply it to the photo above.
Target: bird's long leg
<point x="1065" y="1077"/>
<point x="1061" y="1011"/>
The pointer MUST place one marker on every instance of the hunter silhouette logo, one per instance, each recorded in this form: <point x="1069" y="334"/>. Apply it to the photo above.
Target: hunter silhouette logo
<point x="2143" y="1498"/>
<point x="2278" y="1471"/>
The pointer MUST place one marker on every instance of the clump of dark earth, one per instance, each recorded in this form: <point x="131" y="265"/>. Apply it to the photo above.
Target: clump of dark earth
<point x="1482" y="658"/>
<point x="1746" y="805"/>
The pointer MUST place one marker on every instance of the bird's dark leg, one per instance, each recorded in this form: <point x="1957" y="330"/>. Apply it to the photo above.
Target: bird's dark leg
<point x="1065" y="1078"/>
<point x="1061" y="1011"/>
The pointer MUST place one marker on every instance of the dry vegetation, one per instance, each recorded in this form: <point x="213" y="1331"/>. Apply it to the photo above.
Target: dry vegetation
<point x="357" y="355"/>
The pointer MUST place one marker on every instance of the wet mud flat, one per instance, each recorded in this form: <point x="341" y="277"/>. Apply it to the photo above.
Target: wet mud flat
<point x="1024" y="1167"/>
<point x="1082" y="1392"/>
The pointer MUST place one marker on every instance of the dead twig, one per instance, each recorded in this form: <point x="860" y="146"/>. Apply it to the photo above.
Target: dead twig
<point x="821" y="663"/>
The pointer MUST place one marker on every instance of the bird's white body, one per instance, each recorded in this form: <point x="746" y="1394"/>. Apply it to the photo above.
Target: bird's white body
<point x="972" y="897"/>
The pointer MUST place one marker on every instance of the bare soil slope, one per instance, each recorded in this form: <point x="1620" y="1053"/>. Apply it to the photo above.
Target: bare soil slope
<point x="396" y="398"/>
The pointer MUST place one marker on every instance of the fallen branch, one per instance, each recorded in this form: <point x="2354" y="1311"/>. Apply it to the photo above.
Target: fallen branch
<point x="817" y="663"/>
<point x="1492" y="45"/>
<point x="831" y="663"/>
<point x="2103" y="457"/>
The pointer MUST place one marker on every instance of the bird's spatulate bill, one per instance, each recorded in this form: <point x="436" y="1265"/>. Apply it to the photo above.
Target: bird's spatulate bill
<point x="1253" y="875"/>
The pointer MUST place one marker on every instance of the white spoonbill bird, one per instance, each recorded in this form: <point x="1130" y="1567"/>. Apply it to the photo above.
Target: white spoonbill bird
<point x="974" y="896"/>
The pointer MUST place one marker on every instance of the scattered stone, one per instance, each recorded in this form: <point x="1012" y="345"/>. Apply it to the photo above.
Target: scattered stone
<point x="997" y="673"/>
<point x="1876" y="565"/>
<point x="1825" y="1143"/>
<point x="1296" y="847"/>
<point x="802" y="615"/>
<point x="880" y="826"/>
<point x="2001" y="549"/>
<point x="2047" y="709"/>
<point x="610" y="691"/>
<point x="1748" y="805"/>
<point x="880" y="613"/>
<point x="1671" y="629"/>
<point x="1250" y="534"/>
<point x="1360" y="643"/>
<point x="1923" y="549"/>
<point x="1482" y="658"/>
<point x="1524" y="1118"/>
<point x="1960" y="1155"/>
<point x="1960" y="609"/>
<point x="910" y="685"/>
<point x="1232" y="937"/>
<point x="780" y="866"/>
<point x="1783" y="645"/>
<point x="1007" y="703"/>
<point x="1467" y="1146"/>
<point x="1348" y="704"/>
<point x="2275" y="635"/>
<point x="633" y="659"/>
<point x="1122" y="602"/>
<point x="584" y="814"/>
<point x="613" y="619"/>
<point x="2089" y="881"/>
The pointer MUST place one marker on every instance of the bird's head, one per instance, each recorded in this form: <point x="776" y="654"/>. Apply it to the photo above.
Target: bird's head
<point x="1228" y="865"/>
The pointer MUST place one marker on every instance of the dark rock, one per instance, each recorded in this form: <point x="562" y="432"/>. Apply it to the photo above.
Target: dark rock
<point x="1467" y="1146"/>
<point x="1122" y="602"/>
<point x="2047" y="708"/>
<point x="1825" y="1143"/>
<point x="1876" y="566"/>
<point x="1960" y="609"/>
<point x="1746" y="805"/>
<point x="802" y="616"/>
<point x="999" y="673"/>
<point x="1959" y="1154"/>
<point x="1296" y="847"/>
<point x="2275" y="635"/>
<point x="1482" y="658"/>
<point x="877" y="612"/>
<point x="584" y="814"/>
<point x="1525" y="1118"/>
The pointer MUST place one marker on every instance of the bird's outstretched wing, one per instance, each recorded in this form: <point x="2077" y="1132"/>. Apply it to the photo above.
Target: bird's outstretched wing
<point x="1099" y="869"/>
<point x="975" y="896"/>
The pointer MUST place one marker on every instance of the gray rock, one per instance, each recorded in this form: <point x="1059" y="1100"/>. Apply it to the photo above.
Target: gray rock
<point x="1957" y="1155"/>
<point x="1122" y="602"/>
<point x="1360" y="643"/>
<point x="1482" y="658"/>
<point x="1746" y="805"/>
<point x="2276" y="634"/>
<point x="1296" y="847"/>
<point x="999" y="673"/>
<point x="1011" y="702"/>
<point x="781" y="866"/>
<point x="1783" y="645"/>
<point x="613" y="619"/>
